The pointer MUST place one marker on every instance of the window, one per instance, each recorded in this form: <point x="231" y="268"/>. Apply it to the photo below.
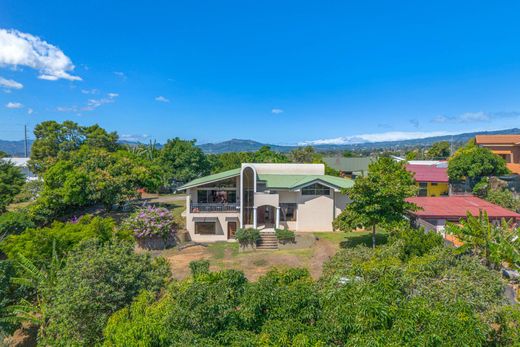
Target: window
<point x="434" y="184"/>
<point x="423" y="189"/>
<point x="316" y="189"/>
<point x="216" y="196"/>
<point x="205" y="228"/>
<point x="288" y="212"/>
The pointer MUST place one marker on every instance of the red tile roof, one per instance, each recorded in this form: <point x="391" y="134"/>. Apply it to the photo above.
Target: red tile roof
<point x="514" y="168"/>
<point x="456" y="207"/>
<point x="497" y="139"/>
<point x="429" y="173"/>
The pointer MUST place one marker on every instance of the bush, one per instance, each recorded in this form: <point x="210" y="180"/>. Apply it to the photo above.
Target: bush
<point x="11" y="182"/>
<point x="152" y="222"/>
<point x="13" y="223"/>
<point x="284" y="235"/>
<point x="37" y="244"/>
<point x="96" y="281"/>
<point x="199" y="267"/>
<point x="417" y="242"/>
<point x="247" y="237"/>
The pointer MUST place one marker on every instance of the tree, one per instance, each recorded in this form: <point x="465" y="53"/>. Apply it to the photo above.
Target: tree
<point x="55" y="140"/>
<point x="266" y="155"/>
<point x="305" y="154"/>
<point x="473" y="163"/>
<point x="96" y="281"/>
<point x="439" y="150"/>
<point x="494" y="243"/>
<point x="378" y="198"/>
<point x="4" y="154"/>
<point x="182" y="161"/>
<point x="11" y="183"/>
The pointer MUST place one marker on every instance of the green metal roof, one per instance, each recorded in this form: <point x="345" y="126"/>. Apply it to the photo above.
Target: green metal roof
<point x="349" y="164"/>
<point x="282" y="181"/>
<point x="275" y="181"/>
<point x="211" y="178"/>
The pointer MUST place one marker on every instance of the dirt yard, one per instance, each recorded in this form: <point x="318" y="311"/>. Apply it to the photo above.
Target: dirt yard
<point x="255" y="263"/>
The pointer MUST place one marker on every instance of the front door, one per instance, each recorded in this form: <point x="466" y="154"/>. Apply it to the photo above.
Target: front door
<point x="231" y="229"/>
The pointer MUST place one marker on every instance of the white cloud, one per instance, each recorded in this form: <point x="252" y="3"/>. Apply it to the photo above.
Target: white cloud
<point x="134" y="137"/>
<point x="161" y="98"/>
<point x="120" y="74"/>
<point x="276" y="110"/>
<point x="91" y="105"/>
<point x="469" y="117"/>
<point x="11" y="84"/>
<point x="379" y="137"/>
<point x="90" y="91"/>
<point x="21" y="49"/>
<point x="30" y="111"/>
<point x="14" y="105"/>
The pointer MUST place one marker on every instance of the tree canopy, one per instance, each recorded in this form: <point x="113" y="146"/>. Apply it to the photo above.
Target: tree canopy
<point x="182" y="161"/>
<point x="439" y="150"/>
<point x="11" y="183"/>
<point x="379" y="197"/>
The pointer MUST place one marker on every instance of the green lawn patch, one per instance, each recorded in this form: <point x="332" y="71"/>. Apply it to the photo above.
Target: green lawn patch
<point x="218" y="249"/>
<point x="352" y="239"/>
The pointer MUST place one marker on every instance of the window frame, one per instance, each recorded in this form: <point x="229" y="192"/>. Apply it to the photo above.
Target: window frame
<point x="198" y="224"/>
<point x="316" y="189"/>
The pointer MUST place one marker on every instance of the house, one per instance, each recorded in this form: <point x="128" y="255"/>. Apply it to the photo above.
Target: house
<point x="434" y="212"/>
<point x="299" y="197"/>
<point x="432" y="180"/>
<point x="23" y="165"/>
<point x="349" y="167"/>
<point x="506" y="146"/>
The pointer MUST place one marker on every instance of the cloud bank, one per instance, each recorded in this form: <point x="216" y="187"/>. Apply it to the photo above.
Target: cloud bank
<point x="10" y="84"/>
<point x="14" y="105"/>
<point x="161" y="98"/>
<point x="22" y="49"/>
<point x="378" y="137"/>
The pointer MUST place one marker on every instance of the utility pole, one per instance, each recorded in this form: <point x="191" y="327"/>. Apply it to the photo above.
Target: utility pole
<point x="25" y="140"/>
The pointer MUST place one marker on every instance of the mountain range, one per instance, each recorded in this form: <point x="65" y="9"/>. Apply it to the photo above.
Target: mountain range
<point x="16" y="148"/>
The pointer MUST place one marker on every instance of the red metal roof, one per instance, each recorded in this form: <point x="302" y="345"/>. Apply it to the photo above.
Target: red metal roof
<point x="429" y="173"/>
<point x="456" y="207"/>
<point x="497" y="139"/>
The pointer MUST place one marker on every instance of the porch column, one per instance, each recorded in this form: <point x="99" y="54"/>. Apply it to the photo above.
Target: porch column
<point x="254" y="218"/>
<point x="277" y="224"/>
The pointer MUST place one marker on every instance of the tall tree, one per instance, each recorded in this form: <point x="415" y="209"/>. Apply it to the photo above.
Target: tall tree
<point x="378" y="198"/>
<point x="439" y="150"/>
<point x="305" y="154"/>
<point x="11" y="182"/>
<point x="473" y="163"/>
<point x="182" y="161"/>
<point x="266" y="155"/>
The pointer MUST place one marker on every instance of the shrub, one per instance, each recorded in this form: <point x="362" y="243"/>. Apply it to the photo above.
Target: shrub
<point x="199" y="267"/>
<point x="417" y="242"/>
<point x="152" y="222"/>
<point x="37" y="244"/>
<point x="11" y="182"/>
<point x="96" y="281"/>
<point x="13" y="223"/>
<point x="284" y="235"/>
<point x="247" y="237"/>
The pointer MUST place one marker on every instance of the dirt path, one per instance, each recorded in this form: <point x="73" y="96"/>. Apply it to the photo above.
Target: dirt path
<point x="324" y="250"/>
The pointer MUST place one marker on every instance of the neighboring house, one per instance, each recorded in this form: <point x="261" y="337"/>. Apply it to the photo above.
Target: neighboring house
<point x="349" y="167"/>
<point x="434" y="212"/>
<point x="22" y="164"/>
<point x="432" y="180"/>
<point x="299" y="197"/>
<point x="506" y="146"/>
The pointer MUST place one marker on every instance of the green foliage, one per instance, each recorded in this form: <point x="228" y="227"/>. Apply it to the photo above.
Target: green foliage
<point x="284" y="235"/>
<point x="37" y="244"/>
<point x="439" y="150"/>
<point x="30" y="191"/>
<point x="247" y="237"/>
<point x="505" y="198"/>
<point x="228" y="161"/>
<point x="10" y="294"/>
<point x="11" y="182"/>
<point x="417" y="242"/>
<point x="13" y="223"/>
<point x="473" y="163"/>
<point x="508" y="333"/>
<point x="96" y="281"/>
<point x="378" y="198"/>
<point x="305" y="154"/>
<point x="182" y="161"/>
<point x="56" y="140"/>
<point x="494" y="243"/>
<point x="199" y="267"/>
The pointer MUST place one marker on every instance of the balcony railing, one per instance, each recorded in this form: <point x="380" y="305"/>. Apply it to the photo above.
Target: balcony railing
<point x="213" y="207"/>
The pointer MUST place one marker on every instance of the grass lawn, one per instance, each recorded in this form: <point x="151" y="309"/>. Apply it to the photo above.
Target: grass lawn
<point x="352" y="239"/>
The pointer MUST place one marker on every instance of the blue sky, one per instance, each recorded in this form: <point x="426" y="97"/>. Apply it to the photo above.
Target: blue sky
<point x="282" y="72"/>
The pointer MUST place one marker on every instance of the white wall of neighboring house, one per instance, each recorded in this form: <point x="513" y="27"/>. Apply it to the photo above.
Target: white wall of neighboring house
<point x="22" y="164"/>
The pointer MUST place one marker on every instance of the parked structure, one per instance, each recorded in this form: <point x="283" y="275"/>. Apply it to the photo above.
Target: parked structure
<point x="431" y="179"/>
<point x="298" y="197"/>
<point x="434" y="212"/>
<point x="506" y="146"/>
<point x="349" y="167"/>
<point x="22" y="164"/>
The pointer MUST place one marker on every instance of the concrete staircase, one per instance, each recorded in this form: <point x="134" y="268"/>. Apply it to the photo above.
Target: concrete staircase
<point x="268" y="241"/>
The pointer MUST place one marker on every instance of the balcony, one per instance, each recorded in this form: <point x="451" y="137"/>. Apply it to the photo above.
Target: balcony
<point x="214" y="207"/>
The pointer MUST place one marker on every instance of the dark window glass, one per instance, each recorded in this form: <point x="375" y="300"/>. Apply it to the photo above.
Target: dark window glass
<point x="316" y="189"/>
<point x="205" y="228"/>
<point x="202" y="196"/>
<point x="216" y="196"/>
<point x="288" y="212"/>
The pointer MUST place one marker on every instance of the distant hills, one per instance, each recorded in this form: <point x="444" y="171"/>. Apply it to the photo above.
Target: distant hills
<point x="16" y="148"/>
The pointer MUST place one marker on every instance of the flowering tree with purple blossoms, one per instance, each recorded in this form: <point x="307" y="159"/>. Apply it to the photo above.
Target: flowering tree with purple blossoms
<point x="151" y="222"/>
